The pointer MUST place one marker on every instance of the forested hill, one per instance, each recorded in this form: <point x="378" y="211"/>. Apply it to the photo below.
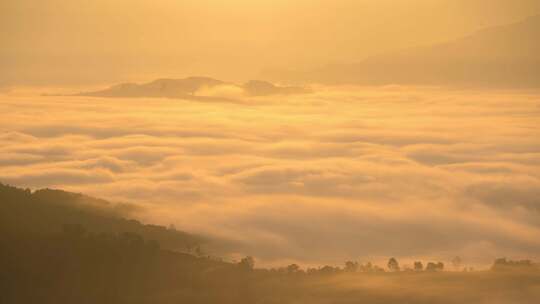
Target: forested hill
<point x="62" y="248"/>
<point x="24" y="213"/>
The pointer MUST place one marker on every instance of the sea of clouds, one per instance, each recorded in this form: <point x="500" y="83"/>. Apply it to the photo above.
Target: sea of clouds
<point x="343" y="173"/>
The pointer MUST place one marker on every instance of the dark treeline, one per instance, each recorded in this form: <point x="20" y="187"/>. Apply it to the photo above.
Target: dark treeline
<point x="60" y="247"/>
<point x="45" y="212"/>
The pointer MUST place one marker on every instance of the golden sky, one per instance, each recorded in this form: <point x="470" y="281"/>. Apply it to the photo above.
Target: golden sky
<point x="81" y="42"/>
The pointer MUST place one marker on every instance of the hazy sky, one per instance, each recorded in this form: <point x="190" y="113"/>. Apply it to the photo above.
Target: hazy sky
<point x="54" y="42"/>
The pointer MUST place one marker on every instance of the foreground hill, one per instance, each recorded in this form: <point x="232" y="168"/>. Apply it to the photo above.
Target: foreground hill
<point x="192" y="88"/>
<point x="503" y="56"/>
<point x="60" y="247"/>
<point x="47" y="212"/>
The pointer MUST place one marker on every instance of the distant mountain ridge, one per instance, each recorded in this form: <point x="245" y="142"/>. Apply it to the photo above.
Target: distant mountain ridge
<point x="191" y="88"/>
<point x="158" y="88"/>
<point x="501" y="56"/>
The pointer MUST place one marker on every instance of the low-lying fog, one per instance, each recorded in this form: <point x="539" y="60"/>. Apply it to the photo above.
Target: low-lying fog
<point x="341" y="173"/>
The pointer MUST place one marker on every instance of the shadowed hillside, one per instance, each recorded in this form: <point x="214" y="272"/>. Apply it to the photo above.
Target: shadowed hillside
<point x="97" y="257"/>
<point x="47" y="212"/>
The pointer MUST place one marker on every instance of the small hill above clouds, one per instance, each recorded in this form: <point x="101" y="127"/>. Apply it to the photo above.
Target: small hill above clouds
<point x="264" y="88"/>
<point x="192" y="88"/>
<point x="502" y="56"/>
<point x="173" y="88"/>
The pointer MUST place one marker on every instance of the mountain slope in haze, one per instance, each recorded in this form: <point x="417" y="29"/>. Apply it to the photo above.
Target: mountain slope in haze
<point x="503" y="56"/>
<point x="46" y="212"/>
<point x="191" y="88"/>
<point x="61" y="247"/>
<point x="47" y="257"/>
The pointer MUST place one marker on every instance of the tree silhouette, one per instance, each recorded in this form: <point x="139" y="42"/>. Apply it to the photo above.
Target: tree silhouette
<point x="435" y="266"/>
<point x="505" y="264"/>
<point x="293" y="268"/>
<point x="393" y="265"/>
<point x="247" y="263"/>
<point x="351" y="266"/>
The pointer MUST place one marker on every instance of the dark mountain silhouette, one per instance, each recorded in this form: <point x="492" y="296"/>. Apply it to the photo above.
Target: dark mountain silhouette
<point x="46" y="212"/>
<point x="503" y="56"/>
<point x="61" y="247"/>
<point x="173" y="88"/>
<point x="191" y="88"/>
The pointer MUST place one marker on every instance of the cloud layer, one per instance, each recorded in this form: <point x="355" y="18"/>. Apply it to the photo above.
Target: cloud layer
<point x="344" y="173"/>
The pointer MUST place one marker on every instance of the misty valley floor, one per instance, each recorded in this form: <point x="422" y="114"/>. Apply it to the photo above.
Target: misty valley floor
<point x="344" y="173"/>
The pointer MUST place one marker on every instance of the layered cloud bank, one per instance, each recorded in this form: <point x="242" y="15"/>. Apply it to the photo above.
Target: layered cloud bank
<point x="343" y="173"/>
